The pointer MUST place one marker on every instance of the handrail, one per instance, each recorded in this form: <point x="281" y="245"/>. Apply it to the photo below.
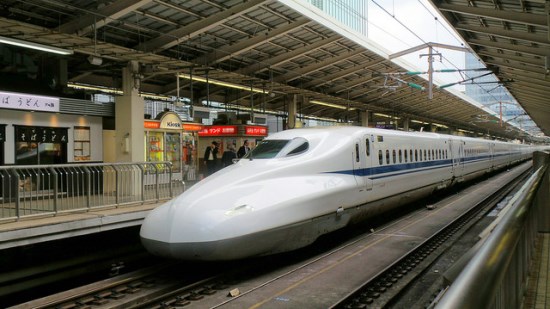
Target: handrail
<point x="38" y="190"/>
<point x="479" y="283"/>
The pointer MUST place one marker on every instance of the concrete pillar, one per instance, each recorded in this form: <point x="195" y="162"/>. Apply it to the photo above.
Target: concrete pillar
<point x="292" y="108"/>
<point x="406" y="123"/>
<point x="365" y="117"/>
<point x="129" y="110"/>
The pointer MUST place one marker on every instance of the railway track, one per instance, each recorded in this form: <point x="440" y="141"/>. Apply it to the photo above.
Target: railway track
<point x="384" y="289"/>
<point x="290" y="279"/>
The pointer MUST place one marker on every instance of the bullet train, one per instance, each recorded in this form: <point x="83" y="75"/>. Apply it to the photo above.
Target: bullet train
<point x="299" y="184"/>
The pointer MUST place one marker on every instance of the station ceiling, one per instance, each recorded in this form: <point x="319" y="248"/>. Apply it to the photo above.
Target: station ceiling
<point x="512" y="37"/>
<point x="266" y="45"/>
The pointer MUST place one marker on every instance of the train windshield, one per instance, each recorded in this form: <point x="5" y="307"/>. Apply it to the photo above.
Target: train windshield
<point x="274" y="148"/>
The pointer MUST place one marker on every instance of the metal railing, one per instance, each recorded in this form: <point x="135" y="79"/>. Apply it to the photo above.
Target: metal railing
<point x="38" y="190"/>
<point x="496" y="276"/>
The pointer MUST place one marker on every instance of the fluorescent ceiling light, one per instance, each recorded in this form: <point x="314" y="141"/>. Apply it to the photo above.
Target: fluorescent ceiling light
<point x="37" y="46"/>
<point x="90" y="87"/>
<point x="329" y="104"/>
<point x="220" y="83"/>
<point x="418" y="121"/>
<point x="387" y="116"/>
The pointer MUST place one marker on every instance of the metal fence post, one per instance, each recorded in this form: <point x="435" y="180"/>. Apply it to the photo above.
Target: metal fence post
<point x="55" y="190"/>
<point x="143" y="169"/>
<point x="17" y="202"/>
<point x="170" y="180"/>
<point x="117" y="191"/>
<point x="157" y="182"/>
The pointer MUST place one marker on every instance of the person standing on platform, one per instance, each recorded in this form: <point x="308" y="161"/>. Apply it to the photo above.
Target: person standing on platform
<point x="229" y="155"/>
<point x="243" y="150"/>
<point x="211" y="158"/>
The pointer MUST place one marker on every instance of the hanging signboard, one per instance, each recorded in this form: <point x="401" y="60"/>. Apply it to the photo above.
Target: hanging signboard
<point x="255" y="130"/>
<point x="218" y="131"/>
<point x="28" y="102"/>
<point x="170" y="121"/>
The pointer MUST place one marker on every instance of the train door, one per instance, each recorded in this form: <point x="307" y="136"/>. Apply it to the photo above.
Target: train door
<point x="368" y="142"/>
<point x="362" y="162"/>
<point x="358" y="162"/>
<point x="457" y="151"/>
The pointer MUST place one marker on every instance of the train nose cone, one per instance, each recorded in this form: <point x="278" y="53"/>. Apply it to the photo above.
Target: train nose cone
<point x="156" y="231"/>
<point x="173" y="232"/>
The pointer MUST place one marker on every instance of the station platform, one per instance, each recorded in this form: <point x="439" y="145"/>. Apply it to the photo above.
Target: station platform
<point x="30" y="231"/>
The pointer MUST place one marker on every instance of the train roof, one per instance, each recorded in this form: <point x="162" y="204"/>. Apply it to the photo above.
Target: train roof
<point x="350" y="130"/>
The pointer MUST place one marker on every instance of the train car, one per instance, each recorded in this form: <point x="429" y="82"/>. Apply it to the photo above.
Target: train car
<point x="299" y="184"/>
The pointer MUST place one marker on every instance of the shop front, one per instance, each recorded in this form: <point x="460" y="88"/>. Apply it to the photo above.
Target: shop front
<point x="36" y="145"/>
<point x="227" y="135"/>
<point x="36" y="133"/>
<point x="168" y="139"/>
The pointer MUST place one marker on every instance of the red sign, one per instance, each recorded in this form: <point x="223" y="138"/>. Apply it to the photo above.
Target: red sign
<point x="255" y="130"/>
<point x="218" y="131"/>
<point x="151" y="124"/>
<point x="192" y="127"/>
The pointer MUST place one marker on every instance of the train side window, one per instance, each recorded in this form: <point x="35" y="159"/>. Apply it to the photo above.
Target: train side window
<point x="416" y="155"/>
<point x="387" y="156"/>
<point x="394" y="155"/>
<point x="400" y="156"/>
<point x="411" y="155"/>
<point x="380" y="159"/>
<point x="405" y="151"/>
<point x="356" y="152"/>
<point x="433" y="154"/>
<point x="367" y="144"/>
<point x="425" y="157"/>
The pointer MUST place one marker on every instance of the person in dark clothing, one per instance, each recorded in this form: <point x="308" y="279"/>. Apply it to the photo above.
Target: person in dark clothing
<point x="211" y="158"/>
<point x="243" y="150"/>
<point x="229" y="155"/>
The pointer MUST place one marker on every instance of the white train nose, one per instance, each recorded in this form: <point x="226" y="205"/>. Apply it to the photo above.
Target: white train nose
<point x="188" y="238"/>
<point x="156" y="230"/>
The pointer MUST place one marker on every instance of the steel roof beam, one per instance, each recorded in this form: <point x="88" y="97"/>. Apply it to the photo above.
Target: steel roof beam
<point x="517" y="66"/>
<point x="343" y="73"/>
<point x="522" y="59"/>
<point x="316" y="66"/>
<point x="287" y="56"/>
<point x="508" y="16"/>
<point x="509" y="34"/>
<point x="516" y="75"/>
<point x="510" y="47"/>
<point x="246" y="45"/>
<point x="183" y="34"/>
<point x="110" y="13"/>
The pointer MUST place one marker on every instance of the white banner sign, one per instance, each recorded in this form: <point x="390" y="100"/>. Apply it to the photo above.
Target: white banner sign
<point x="28" y="102"/>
